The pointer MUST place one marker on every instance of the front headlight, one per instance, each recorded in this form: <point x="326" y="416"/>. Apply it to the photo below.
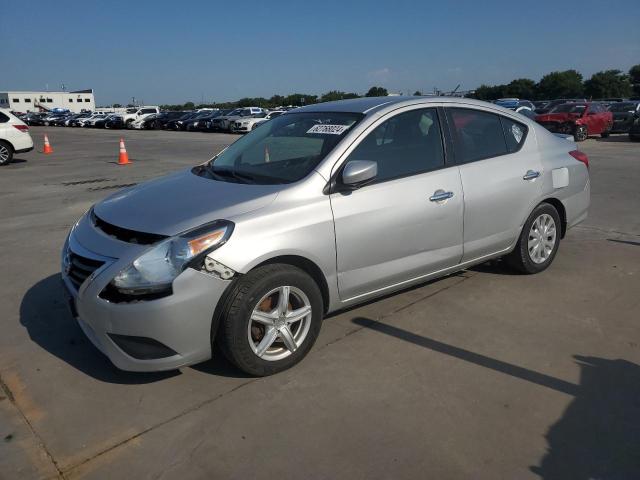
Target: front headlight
<point x="155" y="270"/>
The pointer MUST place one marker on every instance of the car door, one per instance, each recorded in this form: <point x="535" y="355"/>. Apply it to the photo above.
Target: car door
<point x="408" y="221"/>
<point x="499" y="168"/>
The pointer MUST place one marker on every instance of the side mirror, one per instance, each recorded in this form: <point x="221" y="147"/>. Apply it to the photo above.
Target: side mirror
<point x="358" y="172"/>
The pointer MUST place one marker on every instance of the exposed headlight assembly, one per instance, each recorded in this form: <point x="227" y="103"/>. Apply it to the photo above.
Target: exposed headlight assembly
<point x="155" y="270"/>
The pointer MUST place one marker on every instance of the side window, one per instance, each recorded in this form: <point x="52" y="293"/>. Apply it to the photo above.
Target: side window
<point x="407" y="144"/>
<point x="476" y="134"/>
<point x="514" y="134"/>
<point x="3" y="118"/>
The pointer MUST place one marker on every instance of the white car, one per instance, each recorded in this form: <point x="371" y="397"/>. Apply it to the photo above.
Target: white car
<point x="133" y="114"/>
<point x="90" y="122"/>
<point x="14" y="136"/>
<point x="245" y="125"/>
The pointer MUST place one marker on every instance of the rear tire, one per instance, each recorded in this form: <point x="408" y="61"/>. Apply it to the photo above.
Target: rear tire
<point x="6" y="153"/>
<point x="539" y="241"/>
<point x="241" y="336"/>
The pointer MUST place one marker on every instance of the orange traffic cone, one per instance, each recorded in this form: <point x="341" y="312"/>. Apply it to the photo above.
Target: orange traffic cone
<point x="47" y="146"/>
<point x="123" y="159"/>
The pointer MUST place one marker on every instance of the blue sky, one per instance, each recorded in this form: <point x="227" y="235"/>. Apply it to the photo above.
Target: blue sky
<point x="172" y="52"/>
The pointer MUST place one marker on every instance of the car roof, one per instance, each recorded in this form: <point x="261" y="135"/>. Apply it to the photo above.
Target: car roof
<point x="369" y="105"/>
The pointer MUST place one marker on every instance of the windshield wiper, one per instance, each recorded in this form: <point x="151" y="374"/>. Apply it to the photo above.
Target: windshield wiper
<point x="227" y="172"/>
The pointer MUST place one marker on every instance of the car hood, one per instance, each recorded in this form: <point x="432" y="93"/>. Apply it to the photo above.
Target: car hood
<point x="178" y="202"/>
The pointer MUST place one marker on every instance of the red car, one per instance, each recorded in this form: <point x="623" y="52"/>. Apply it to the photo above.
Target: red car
<point x="579" y="119"/>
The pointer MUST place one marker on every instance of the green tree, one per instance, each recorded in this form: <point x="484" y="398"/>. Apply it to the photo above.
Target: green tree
<point x="561" y="85"/>
<point x="377" y="92"/>
<point x="523" y="88"/>
<point x="189" y="106"/>
<point x="417" y="93"/>
<point x="334" y="95"/>
<point x="634" y="77"/>
<point x="490" y="92"/>
<point x="609" y="83"/>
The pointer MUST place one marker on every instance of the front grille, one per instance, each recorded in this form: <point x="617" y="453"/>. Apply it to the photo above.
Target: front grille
<point x="79" y="268"/>
<point x="124" y="234"/>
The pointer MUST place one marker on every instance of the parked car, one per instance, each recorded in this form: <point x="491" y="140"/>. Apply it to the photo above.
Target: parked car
<point x="102" y="122"/>
<point x="114" y="122"/>
<point x="91" y="121"/>
<point x="578" y="119"/>
<point x="74" y="120"/>
<point x="197" y="122"/>
<point x="624" y="114"/>
<point x="634" y="130"/>
<point x="34" y="118"/>
<point x="154" y="122"/>
<point x="61" y="120"/>
<point x="554" y="103"/>
<point x="223" y="122"/>
<point x="136" y="113"/>
<point x="253" y="248"/>
<point x="247" y="124"/>
<point x="540" y="104"/>
<point x="14" y="136"/>
<point x="212" y="124"/>
<point x="176" y="124"/>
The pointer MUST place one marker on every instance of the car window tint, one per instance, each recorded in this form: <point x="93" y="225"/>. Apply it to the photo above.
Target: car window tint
<point x="3" y="118"/>
<point x="514" y="134"/>
<point x="406" y="144"/>
<point x="476" y="134"/>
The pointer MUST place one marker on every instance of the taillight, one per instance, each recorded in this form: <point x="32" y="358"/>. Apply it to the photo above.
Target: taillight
<point x="22" y="128"/>
<point x="580" y="156"/>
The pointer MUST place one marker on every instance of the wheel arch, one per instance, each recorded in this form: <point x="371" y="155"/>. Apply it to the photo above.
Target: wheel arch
<point x="309" y="267"/>
<point x="559" y="206"/>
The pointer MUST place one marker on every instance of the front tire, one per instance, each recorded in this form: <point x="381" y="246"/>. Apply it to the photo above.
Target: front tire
<point x="538" y="242"/>
<point x="271" y="319"/>
<point x="581" y="133"/>
<point x="6" y="153"/>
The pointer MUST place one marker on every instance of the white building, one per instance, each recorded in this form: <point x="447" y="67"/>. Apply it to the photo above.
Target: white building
<point x="76" y="101"/>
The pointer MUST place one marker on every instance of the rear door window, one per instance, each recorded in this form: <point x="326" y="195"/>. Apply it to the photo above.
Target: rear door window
<point x="476" y="134"/>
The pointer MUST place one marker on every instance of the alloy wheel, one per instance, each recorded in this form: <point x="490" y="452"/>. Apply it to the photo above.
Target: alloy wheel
<point x="279" y="323"/>
<point x="542" y="238"/>
<point x="4" y="154"/>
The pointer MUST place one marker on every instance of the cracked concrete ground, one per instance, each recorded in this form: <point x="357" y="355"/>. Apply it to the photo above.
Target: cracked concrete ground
<point x="483" y="374"/>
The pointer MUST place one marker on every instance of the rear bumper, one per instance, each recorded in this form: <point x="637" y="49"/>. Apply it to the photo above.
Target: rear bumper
<point x="24" y="150"/>
<point x="182" y="321"/>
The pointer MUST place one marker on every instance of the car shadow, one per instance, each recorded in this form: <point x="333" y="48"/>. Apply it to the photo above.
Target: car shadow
<point x="45" y="315"/>
<point x="495" y="267"/>
<point x="598" y="435"/>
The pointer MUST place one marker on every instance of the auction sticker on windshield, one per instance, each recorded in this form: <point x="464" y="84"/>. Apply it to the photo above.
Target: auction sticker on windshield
<point x="329" y="129"/>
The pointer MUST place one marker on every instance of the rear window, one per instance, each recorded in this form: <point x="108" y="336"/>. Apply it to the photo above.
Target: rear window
<point x="476" y="134"/>
<point x="3" y="118"/>
<point x="514" y="134"/>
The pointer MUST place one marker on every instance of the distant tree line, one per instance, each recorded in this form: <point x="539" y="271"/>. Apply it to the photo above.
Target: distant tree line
<point x="295" y="99"/>
<point x="567" y="84"/>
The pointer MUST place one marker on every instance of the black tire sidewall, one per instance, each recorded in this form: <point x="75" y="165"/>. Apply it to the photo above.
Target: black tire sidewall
<point x="232" y="335"/>
<point x="523" y="261"/>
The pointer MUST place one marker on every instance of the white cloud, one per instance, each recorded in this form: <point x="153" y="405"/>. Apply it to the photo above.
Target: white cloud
<point x="380" y="75"/>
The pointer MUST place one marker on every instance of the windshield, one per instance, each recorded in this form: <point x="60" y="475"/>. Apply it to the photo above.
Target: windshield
<point x="569" y="108"/>
<point x="284" y="150"/>
<point x="623" y="107"/>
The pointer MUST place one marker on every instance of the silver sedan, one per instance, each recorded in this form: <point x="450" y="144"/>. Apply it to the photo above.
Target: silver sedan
<point x="320" y="209"/>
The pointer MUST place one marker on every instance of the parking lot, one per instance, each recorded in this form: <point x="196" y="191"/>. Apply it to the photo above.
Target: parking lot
<point x="483" y="374"/>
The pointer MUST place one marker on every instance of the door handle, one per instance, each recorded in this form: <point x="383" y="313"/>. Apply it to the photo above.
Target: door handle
<point x="530" y="175"/>
<point x="440" y="195"/>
